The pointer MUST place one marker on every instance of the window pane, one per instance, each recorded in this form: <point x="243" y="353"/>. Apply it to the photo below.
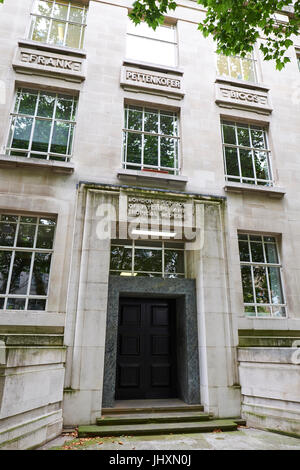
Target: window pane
<point x="73" y="36"/>
<point x="76" y="15"/>
<point x="60" y="11"/>
<point x="248" y="67"/>
<point x="247" y="284"/>
<point x="27" y="103"/>
<point x="46" y="105"/>
<point x="229" y="134"/>
<point x="64" y="108"/>
<point x="121" y="258"/>
<point x="232" y="165"/>
<point x="275" y="285"/>
<point x="26" y="235"/>
<point x="257" y="252"/>
<point x="261" y="165"/>
<point x="134" y="148"/>
<point x="148" y="260"/>
<point x="235" y="67"/>
<point x="258" y="139"/>
<point x="271" y="253"/>
<point x="264" y="311"/>
<point x="148" y="50"/>
<point x="246" y="163"/>
<point x="151" y="122"/>
<point x="7" y="233"/>
<point x="40" y="274"/>
<point x="243" y="136"/>
<point x="16" y="304"/>
<point x="261" y="287"/>
<point x="60" y="136"/>
<point x="168" y="152"/>
<point x="41" y="135"/>
<point x="244" y="250"/>
<point x="150" y="150"/>
<point x="222" y="65"/>
<point x="21" y="133"/>
<point x="20" y="274"/>
<point x="45" y="236"/>
<point x="43" y="8"/>
<point x="174" y="261"/>
<point x="36" y="304"/>
<point x="57" y="33"/>
<point x="40" y="29"/>
<point x="135" y="119"/>
<point x="5" y="258"/>
<point x="168" y="125"/>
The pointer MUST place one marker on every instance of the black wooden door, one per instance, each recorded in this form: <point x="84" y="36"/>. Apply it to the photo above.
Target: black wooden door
<point x="146" y="361"/>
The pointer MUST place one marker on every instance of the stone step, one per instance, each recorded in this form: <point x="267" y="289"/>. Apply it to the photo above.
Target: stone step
<point x="136" y="418"/>
<point x="152" y="409"/>
<point x="157" y="428"/>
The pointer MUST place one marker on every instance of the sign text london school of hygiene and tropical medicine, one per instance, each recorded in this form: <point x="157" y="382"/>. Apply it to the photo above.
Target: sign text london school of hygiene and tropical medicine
<point x="185" y="220"/>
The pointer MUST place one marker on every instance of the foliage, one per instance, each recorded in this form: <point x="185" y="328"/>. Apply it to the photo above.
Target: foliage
<point x="235" y="25"/>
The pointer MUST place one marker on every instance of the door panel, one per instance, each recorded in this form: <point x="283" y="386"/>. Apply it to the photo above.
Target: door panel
<point x="146" y="362"/>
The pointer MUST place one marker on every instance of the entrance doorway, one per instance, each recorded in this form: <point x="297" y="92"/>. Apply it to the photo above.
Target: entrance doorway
<point x="146" y="354"/>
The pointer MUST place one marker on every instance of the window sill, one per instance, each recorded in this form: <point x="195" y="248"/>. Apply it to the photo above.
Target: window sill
<point x="271" y="191"/>
<point x="155" y="67"/>
<point x="54" y="165"/>
<point x="160" y="178"/>
<point x="242" y="83"/>
<point x="52" y="48"/>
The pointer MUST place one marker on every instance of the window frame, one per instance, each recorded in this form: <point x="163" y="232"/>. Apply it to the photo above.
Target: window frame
<point x="33" y="250"/>
<point x="255" y="182"/>
<point x="63" y="158"/>
<point x="176" y="168"/>
<point x="266" y="265"/>
<point x="67" y="22"/>
<point x="174" y="43"/>
<point x="131" y="244"/>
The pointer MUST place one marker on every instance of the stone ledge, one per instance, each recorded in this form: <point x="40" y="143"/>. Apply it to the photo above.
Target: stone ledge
<point x="155" y="67"/>
<point x="243" y="83"/>
<point x="270" y="191"/>
<point x="52" y="48"/>
<point x="23" y="162"/>
<point x="144" y="176"/>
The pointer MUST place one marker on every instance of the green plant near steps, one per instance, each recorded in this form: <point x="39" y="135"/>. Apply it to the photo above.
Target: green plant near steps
<point x="236" y="25"/>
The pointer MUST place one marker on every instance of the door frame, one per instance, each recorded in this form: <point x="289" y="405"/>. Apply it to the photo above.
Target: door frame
<point x="184" y="293"/>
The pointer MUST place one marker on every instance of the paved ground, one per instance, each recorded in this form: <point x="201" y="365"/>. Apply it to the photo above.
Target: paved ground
<point x="243" y="439"/>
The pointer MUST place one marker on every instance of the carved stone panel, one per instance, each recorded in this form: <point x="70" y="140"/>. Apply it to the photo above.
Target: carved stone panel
<point x="243" y="97"/>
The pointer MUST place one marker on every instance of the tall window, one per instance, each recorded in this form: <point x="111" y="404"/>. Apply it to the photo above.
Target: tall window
<point x="42" y="125"/>
<point x="241" y="68"/>
<point x="246" y="153"/>
<point x="26" y="246"/>
<point x="141" y="258"/>
<point x="147" y="45"/>
<point x="150" y="140"/>
<point x="261" y="276"/>
<point x="58" y="22"/>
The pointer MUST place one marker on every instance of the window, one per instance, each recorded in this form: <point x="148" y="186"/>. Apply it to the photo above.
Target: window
<point x="246" y="154"/>
<point x="145" y="44"/>
<point x="241" y="68"/>
<point x="58" y="22"/>
<point x="298" y="60"/>
<point x="138" y="258"/>
<point x="150" y="140"/>
<point x="25" y="257"/>
<point x="42" y="125"/>
<point x="261" y="276"/>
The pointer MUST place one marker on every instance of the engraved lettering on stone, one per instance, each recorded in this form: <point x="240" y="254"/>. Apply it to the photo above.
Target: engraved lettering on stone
<point x="155" y="208"/>
<point x="152" y="79"/>
<point x="243" y="96"/>
<point x="50" y="61"/>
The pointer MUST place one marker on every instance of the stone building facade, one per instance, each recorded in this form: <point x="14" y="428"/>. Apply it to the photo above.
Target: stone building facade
<point x="149" y="194"/>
